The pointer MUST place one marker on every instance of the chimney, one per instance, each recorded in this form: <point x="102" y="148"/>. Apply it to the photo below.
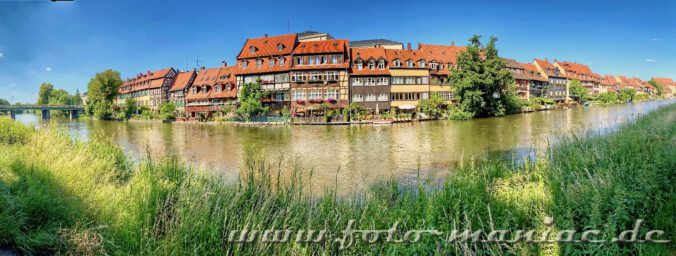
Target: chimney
<point x="555" y="60"/>
<point x="452" y="43"/>
<point x="546" y="59"/>
<point x="225" y="64"/>
<point x="408" y="45"/>
<point x="148" y="72"/>
<point x="265" y="35"/>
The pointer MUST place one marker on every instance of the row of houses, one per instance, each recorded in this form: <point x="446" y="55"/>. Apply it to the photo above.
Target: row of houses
<point x="307" y="70"/>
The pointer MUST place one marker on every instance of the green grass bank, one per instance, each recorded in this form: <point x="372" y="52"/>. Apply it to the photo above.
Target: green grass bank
<point x="60" y="196"/>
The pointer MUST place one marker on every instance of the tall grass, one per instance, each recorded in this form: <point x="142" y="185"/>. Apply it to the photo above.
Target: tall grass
<point x="58" y="195"/>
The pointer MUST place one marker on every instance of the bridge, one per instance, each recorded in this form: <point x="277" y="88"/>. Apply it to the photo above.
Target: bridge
<point x="73" y="110"/>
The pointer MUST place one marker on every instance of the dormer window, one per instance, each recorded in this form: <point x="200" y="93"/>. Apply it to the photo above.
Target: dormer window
<point x="409" y="63"/>
<point x="334" y="59"/>
<point x="434" y="65"/>
<point x="194" y="90"/>
<point x="218" y="88"/>
<point x="272" y="62"/>
<point x="381" y="64"/>
<point x="281" y="61"/>
<point x="204" y="89"/>
<point x="397" y="63"/>
<point x="252" y="49"/>
<point x="372" y="65"/>
<point x="360" y="65"/>
<point x="280" y="47"/>
<point x="259" y="63"/>
<point x="244" y="64"/>
<point x="421" y="63"/>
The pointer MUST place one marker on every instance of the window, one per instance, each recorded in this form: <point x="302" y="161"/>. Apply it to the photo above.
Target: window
<point x="272" y="62"/>
<point x="323" y="60"/>
<point x="281" y="61"/>
<point x="332" y="94"/>
<point x="311" y="61"/>
<point x="299" y="77"/>
<point x="383" y="97"/>
<point x="332" y="75"/>
<point x="409" y="80"/>
<point x="359" y="65"/>
<point x="299" y="95"/>
<point x="315" y="76"/>
<point x="280" y="47"/>
<point x="421" y="63"/>
<point x="357" y="81"/>
<point x="382" y="80"/>
<point x="372" y="65"/>
<point x="244" y="64"/>
<point x="259" y="62"/>
<point x="397" y="63"/>
<point x="315" y="94"/>
<point x="194" y="90"/>
<point x="204" y="89"/>
<point x="334" y="59"/>
<point x="433" y="65"/>
<point x="299" y="60"/>
<point x="409" y="63"/>
<point x="397" y="80"/>
<point x="370" y="97"/>
<point x="381" y="64"/>
<point x="218" y="88"/>
<point x="252" y="49"/>
<point x="357" y="98"/>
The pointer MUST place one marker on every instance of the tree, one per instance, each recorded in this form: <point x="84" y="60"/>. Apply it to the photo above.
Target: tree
<point x="250" y="101"/>
<point x="102" y="90"/>
<point x="626" y="94"/>
<point x="59" y="97"/>
<point x="44" y="93"/>
<point x="76" y="99"/>
<point x="167" y="111"/>
<point x="433" y="106"/>
<point x="129" y="107"/>
<point x="4" y="102"/>
<point x="658" y="87"/>
<point x="577" y="90"/>
<point x="481" y="83"/>
<point x="608" y="97"/>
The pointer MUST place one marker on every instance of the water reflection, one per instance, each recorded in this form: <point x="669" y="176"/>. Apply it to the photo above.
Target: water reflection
<point x="363" y="153"/>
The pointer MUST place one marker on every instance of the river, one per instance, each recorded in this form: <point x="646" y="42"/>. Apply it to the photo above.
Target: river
<point x="364" y="153"/>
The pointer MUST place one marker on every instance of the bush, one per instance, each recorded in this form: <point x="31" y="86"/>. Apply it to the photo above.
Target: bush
<point x="167" y="111"/>
<point x="14" y="133"/>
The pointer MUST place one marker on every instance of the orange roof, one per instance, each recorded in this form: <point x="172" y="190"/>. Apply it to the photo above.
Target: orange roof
<point x="144" y="81"/>
<point x="403" y="56"/>
<point x="268" y="46"/>
<point x="182" y="80"/>
<point x="548" y="68"/>
<point x="366" y="55"/>
<point x="578" y="71"/>
<point x="441" y="53"/>
<point x="225" y="79"/>
<point x="326" y="46"/>
<point x="608" y="80"/>
<point x="664" y="81"/>
<point x="533" y="72"/>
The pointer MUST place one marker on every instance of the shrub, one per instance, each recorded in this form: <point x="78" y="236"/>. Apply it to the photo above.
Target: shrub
<point x="14" y="133"/>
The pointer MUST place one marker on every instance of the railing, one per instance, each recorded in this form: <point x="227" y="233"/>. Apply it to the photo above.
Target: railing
<point x="41" y="107"/>
<point x="268" y="119"/>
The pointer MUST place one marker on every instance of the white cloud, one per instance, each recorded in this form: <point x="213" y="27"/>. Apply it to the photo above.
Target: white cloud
<point x="48" y="69"/>
<point x="649" y="60"/>
<point x="2" y="55"/>
<point x="654" y="39"/>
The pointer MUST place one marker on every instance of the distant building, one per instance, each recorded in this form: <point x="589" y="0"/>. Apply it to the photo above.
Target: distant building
<point x="521" y="78"/>
<point x="609" y="84"/>
<point x="180" y="88"/>
<point x="212" y="89"/>
<point x="384" y="43"/>
<point x="370" y="78"/>
<point x="668" y="85"/>
<point x="441" y="60"/>
<point x="582" y="73"/>
<point x="557" y="88"/>
<point x="268" y="59"/>
<point x="410" y="80"/>
<point x="538" y="85"/>
<point x="307" y="36"/>
<point x="84" y="97"/>
<point x="149" y="89"/>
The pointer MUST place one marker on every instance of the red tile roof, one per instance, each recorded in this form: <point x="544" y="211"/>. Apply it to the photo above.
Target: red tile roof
<point x="268" y="46"/>
<point x="326" y="46"/>
<point x="265" y="65"/>
<point x="578" y="71"/>
<point x="664" y="81"/>
<point x="609" y="80"/>
<point x="403" y="56"/>
<point x="365" y="55"/>
<point x="226" y="79"/>
<point x="441" y="53"/>
<point x="548" y="68"/>
<point x="182" y="80"/>
<point x="533" y="72"/>
<point x="205" y="77"/>
<point x="144" y="81"/>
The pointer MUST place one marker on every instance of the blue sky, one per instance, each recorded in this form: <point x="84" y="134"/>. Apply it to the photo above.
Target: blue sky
<point x="67" y="43"/>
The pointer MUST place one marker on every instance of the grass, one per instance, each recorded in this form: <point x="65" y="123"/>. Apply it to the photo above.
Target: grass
<point x="60" y="196"/>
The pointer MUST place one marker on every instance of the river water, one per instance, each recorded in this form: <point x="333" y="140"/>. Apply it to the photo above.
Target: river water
<point x="363" y="153"/>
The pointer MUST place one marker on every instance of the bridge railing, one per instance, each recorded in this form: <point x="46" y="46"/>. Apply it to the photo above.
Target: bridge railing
<point x="49" y="107"/>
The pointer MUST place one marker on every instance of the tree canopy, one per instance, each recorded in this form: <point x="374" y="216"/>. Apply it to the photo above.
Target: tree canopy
<point x="102" y="90"/>
<point x="658" y="87"/>
<point x="481" y="83"/>
<point x="577" y="90"/>
<point x="250" y="101"/>
<point x="44" y="93"/>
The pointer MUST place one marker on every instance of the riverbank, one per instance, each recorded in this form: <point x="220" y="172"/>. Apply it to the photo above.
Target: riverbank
<point x="65" y="196"/>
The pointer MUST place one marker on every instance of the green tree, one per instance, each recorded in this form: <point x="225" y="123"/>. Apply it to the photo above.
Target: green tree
<point x="626" y="94"/>
<point x="44" y="93"/>
<point x="608" y="97"/>
<point x="577" y="90"/>
<point x="481" y="83"/>
<point x="76" y="99"/>
<point x="432" y="107"/>
<point x="250" y="101"/>
<point x="4" y="102"/>
<point x="658" y="87"/>
<point x="167" y="111"/>
<point x="129" y="107"/>
<point x="59" y="97"/>
<point x="102" y="90"/>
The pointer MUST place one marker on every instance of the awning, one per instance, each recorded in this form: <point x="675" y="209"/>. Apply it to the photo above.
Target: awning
<point x="407" y="107"/>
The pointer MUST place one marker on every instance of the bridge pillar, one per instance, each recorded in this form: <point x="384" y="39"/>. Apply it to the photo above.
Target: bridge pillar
<point x="12" y="114"/>
<point x="45" y="114"/>
<point x="74" y="114"/>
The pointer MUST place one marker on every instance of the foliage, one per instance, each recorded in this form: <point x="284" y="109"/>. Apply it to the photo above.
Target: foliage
<point x="11" y="133"/>
<point x="482" y="85"/>
<point x="4" y="102"/>
<point x="44" y="93"/>
<point x="658" y="87"/>
<point x="97" y="203"/>
<point x="577" y="90"/>
<point x="608" y="97"/>
<point x="641" y="97"/>
<point x="627" y="94"/>
<point x="456" y="113"/>
<point x="102" y="90"/>
<point x="286" y="113"/>
<point x="432" y="107"/>
<point x="167" y="111"/>
<point x="353" y="112"/>
<point x="250" y="101"/>
<point x="129" y="107"/>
